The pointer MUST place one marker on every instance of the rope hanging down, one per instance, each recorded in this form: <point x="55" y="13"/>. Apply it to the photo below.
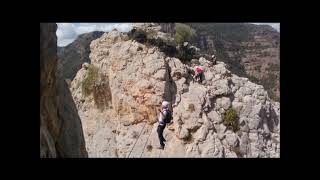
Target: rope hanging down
<point x="146" y="143"/>
<point x="137" y="139"/>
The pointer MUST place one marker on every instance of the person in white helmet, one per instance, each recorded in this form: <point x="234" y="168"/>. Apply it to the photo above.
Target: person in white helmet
<point x="164" y="118"/>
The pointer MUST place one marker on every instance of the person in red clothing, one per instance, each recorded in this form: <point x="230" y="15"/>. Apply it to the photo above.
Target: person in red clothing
<point x="198" y="74"/>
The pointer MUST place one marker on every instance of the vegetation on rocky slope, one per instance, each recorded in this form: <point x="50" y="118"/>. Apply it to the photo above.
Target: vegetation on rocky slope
<point x="230" y="119"/>
<point x="88" y="82"/>
<point x="244" y="47"/>
<point x="168" y="46"/>
<point x="183" y="33"/>
<point x="235" y="31"/>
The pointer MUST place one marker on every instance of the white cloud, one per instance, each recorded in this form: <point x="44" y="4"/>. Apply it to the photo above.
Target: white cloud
<point x="65" y="42"/>
<point x="68" y="32"/>
<point x="124" y="27"/>
<point x="85" y="28"/>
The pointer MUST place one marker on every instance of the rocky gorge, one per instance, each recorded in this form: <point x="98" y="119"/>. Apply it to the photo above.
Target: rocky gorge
<point x="119" y="116"/>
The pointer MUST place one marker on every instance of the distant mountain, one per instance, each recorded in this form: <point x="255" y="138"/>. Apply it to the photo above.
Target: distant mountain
<point x="250" y="50"/>
<point x="75" y="54"/>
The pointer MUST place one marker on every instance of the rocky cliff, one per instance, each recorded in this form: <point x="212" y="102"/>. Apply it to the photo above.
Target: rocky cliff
<point x="61" y="133"/>
<point x="252" y="51"/>
<point x="132" y="79"/>
<point x="71" y="57"/>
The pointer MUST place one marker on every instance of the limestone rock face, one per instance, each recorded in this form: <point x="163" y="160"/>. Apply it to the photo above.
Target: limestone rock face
<point x="139" y="78"/>
<point x="61" y="132"/>
<point x="250" y="50"/>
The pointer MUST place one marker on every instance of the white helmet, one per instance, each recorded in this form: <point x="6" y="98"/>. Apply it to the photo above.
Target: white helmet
<point x="165" y="104"/>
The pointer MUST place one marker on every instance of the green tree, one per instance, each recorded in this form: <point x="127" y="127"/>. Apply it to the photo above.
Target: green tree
<point x="183" y="33"/>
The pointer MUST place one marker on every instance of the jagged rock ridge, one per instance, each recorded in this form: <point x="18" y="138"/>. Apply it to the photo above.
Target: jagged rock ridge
<point x="138" y="77"/>
<point x="252" y="51"/>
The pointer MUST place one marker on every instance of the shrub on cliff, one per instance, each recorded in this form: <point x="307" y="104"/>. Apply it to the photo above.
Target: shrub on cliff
<point x="183" y="33"/>
<point x="230" y="119"/>
<point x="88" y="82"/>
<point x="138" y="35"/>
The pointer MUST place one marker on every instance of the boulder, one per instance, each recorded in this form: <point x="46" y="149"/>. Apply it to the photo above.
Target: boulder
<point x="183" y="133"/>
<point x="214" y="117"/>
<point x="223" y="102"/>
<point x="232" y="139"/>
<point x="220" y="87"/>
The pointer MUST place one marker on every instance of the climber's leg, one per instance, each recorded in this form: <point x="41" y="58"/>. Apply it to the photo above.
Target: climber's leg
<point x="163" y="139"/>
<point x="201" y="77"/>
<point x="196" y="77"/>
<point x="160" y="134"/>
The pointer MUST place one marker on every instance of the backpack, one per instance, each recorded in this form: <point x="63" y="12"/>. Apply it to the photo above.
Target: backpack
<point x="168" y="117"/>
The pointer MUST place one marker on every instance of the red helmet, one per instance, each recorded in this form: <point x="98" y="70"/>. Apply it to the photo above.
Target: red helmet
<point x="199" y="69"/>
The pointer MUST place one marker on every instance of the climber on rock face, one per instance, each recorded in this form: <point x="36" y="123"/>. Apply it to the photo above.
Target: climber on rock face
<point x="164" y="118"/>
<point x="214" y="59"/>
<point x="199" y="76"/>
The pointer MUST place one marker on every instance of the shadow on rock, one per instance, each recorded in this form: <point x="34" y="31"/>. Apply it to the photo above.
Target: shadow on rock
<point x="170" y="87"/>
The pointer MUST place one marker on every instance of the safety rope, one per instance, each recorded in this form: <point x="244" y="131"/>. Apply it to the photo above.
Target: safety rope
<point x="137" y="139"/>
<point x="146" y="143"/>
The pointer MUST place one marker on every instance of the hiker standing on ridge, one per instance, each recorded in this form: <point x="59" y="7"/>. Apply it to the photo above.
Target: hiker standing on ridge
<point x="165" y="117"/>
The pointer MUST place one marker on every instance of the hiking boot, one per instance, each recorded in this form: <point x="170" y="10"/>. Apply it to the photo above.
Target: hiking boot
<point x="161" y="147"/>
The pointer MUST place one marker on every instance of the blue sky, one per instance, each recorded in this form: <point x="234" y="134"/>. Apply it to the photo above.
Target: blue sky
<point x="68" y="32"/>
